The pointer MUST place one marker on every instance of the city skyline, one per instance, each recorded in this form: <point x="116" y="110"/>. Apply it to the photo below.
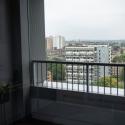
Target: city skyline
<point x="85" y="19"/>
<point x="77" y="40"/>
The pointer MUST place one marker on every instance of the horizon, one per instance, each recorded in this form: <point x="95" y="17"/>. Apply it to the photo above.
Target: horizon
<point x="86" y="39"/>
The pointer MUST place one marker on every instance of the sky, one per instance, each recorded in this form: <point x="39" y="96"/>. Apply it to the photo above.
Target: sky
<point x="85" y="19"/>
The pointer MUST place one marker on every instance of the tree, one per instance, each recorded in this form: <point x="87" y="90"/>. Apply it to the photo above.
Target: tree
<point x="57" y="71"/>
<point x="116" y="59"/>
<point x="107" y="82"/>
<point x="119" y="59"/>
<point x="110" y="82"/>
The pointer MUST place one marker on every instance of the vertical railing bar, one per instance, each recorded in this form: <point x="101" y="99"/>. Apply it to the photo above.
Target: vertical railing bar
<point x="111" y="81"/>
<point x="78" y="72"/>
<point x="37" y="92"/>
<point x="56" y="76"/>
<point x="67" y="75"/>
<point x="42" y="75"/>
<point x="51" y="73"/>
<point x="83" y="79"/>
<point x="33" y="71"/>
<point x="124" y="80"/>
<point x="104" y="80"/>
<point x="37" y="75"/>
<point x="46" y="76"/>
<point x="91" y="78"/>
<point x="87" y="77"/>
<point x="72" y="77"/>
<point x="61" y="77"/>
<point x="117" y="81"/>
<point x="98" y="79"/>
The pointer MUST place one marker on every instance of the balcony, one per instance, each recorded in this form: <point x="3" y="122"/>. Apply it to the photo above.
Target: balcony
<point x="66" y="94"/>
<point x="75" y="81"/>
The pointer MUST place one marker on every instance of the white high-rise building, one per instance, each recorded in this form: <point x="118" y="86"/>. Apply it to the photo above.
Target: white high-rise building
<point x="103" y="55"/>
<point x="77" y="73"/>
<point x="58" y="42"/>
<point x="78" y="53"/>
<point x="86" y="54"/>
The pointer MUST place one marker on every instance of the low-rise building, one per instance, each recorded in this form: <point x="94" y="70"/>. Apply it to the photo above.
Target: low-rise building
<point x="49" y="43"/>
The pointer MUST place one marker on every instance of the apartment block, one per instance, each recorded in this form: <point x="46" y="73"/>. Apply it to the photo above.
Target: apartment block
<point x="87" y="54"/>
<point x="103" y="55"/>
<point x="58" y="42"/>
<point x="77" y="73"/>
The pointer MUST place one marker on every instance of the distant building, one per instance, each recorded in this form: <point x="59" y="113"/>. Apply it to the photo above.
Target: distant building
<point x="49" y="41"/>
<point x="57" y="52"/>
<point x="58" y="42"/>
<point x="87" y="54"/>
<point x="55" y="47"/>
<point x="103" y="55"/>
<point x="79" y="53"/>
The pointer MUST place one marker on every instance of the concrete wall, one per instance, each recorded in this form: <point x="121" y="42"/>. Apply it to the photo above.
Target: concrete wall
<point x="21" y="40"/>
<point x="37" y="30"/>
<point x="77" y="108"/>
<point x="5" y="49"/>
<point x="10" y="59"/>
<point x="32" y="41"/>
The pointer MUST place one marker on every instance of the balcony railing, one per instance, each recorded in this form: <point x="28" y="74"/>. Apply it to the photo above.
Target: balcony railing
<point x="100" y="78"/>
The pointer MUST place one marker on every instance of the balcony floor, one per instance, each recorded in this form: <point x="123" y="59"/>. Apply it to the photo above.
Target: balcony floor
<point x="74" y="114"/>
<point x="33" y="122"/>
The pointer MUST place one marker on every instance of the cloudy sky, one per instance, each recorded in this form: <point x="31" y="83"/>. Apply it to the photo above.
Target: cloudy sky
<point x="85" y="19"/>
